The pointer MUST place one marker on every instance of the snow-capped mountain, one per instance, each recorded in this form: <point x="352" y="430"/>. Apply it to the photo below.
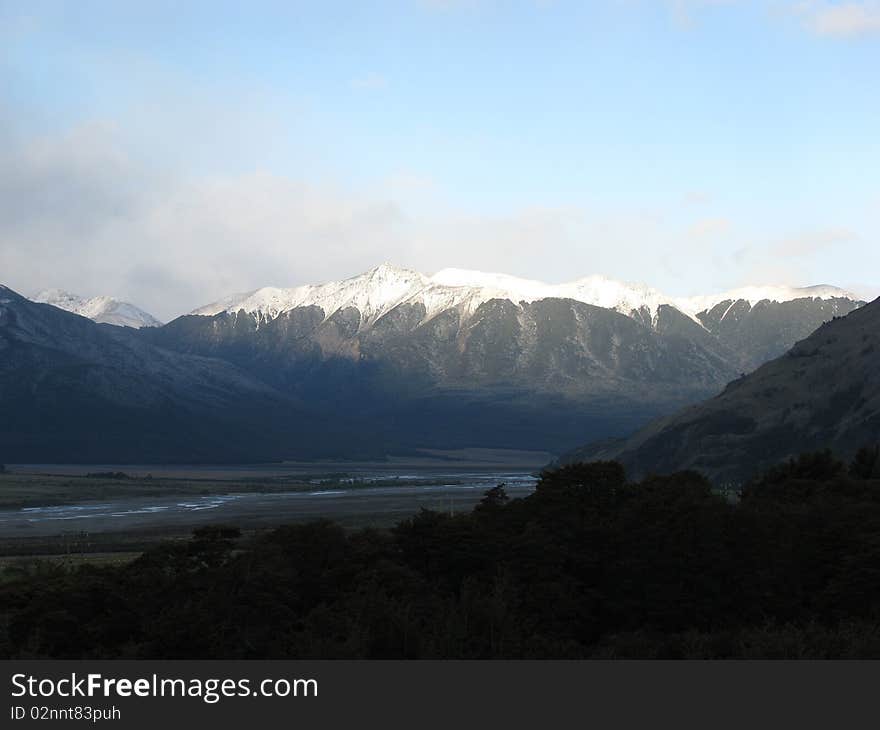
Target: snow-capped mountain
<point x="742" y="327"/>
<point x="465" y="357"/>
<point x="381" y="289"/>
<point x="394" y="360"/>
<point x="99" y="309"/>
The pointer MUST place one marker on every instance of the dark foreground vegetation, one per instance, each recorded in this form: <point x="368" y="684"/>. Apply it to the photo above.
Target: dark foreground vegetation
<point x="587" y="566"/>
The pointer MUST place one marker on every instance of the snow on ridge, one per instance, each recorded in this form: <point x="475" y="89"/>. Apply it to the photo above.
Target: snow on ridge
<point x="599" y="291"/>
<point x="622" y="297"/>
<point x="522" y="289"/>
<point x="469" y="289"/>
<point x="99" y="309"/>
<point x="381" y="289"/>
<point x="755" y="294"/>
<point x="373" y="294"/>
<point x="385" y="287"/>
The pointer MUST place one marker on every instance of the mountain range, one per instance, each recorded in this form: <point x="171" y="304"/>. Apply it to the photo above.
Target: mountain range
<point x="382" y="290"/>
<point x="72" y="390"/>
<point x="392" y="361"/>
<point x="824" y="393"/>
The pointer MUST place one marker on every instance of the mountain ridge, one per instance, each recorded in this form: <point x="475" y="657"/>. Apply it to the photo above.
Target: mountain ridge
<point x="101" y="309"/>
<point x="384" y="287"/>
<point x="823" y="393"/>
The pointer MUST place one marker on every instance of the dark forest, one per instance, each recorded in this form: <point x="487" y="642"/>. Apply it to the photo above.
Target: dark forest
<point x="590" y="565"/>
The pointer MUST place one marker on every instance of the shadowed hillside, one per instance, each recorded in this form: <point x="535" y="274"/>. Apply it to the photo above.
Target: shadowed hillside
<point x="823" y="393"/>
<point x="72" y="390"/>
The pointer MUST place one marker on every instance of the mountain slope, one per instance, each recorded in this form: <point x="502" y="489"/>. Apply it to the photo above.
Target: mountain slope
<point x="823" y="393"/>
<point x="761" y="330"/>
<point x="74" y="390"/>
<point x="466" y="358"/>
<point x="105" y="310"/>
<point x="527" y="375"/>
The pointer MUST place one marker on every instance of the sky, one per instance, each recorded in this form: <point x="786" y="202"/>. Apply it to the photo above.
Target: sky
<point x="172" y="153"/>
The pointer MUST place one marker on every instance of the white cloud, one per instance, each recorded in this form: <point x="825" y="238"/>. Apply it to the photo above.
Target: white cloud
<point x="799" y="258"/>
<point x="827" y="18"/>
<point x="840" y="20"/>
<point x="76" y="213"/>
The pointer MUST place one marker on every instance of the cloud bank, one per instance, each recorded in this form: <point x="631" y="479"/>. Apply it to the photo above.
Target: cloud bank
<point x="78" y="213"/>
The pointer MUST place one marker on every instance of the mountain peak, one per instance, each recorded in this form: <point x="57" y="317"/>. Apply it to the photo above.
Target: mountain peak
<point x="53" y="295"/>
<point x="386" y="269"/>
<point x="99" y="309"/>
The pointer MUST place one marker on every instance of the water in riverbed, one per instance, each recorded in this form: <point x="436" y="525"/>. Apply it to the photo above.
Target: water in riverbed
<point x="368" y="496"/>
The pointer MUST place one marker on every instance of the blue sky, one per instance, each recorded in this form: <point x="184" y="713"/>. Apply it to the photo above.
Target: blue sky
<point x="171" y="153"/>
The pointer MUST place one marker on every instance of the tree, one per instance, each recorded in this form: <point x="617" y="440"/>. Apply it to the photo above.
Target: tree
<point x="819" y="466"/>
<point x="494" y="499"/>
<point x="866" y="464"/>
<point x="576" y="489"/>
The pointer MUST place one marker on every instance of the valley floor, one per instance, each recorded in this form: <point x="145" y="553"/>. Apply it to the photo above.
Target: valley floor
<point x="79" y="513"/>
